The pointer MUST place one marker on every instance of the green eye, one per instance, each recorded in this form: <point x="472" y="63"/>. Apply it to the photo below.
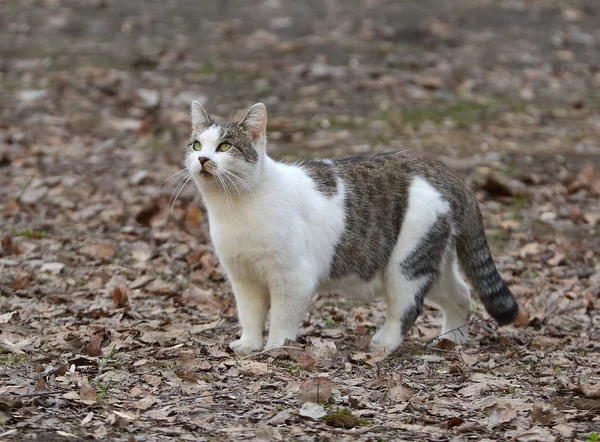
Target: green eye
<point x="197" y="145"/>
<point x="224" y="147"/>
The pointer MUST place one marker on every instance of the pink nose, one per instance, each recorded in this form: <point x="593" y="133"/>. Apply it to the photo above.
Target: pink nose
<point x="202" y="160"/>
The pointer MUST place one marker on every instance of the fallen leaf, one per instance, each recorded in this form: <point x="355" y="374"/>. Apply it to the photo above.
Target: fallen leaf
<point x="5" y="317"/>
<point x="589" y="389"/>
<point x="88" y="394"/>
<point x="445" y="344"/>
<point x="535" y="434"/>
<point x="452" y="422"/>
<point x="253" y="368"/>
<point x="280" y="418"/>
<point x="305" y="361"/>
<point x="473" y="390"/>
<point x="120" y="297"/>
<point x="317" y="390"/>
<point x="522" y="319"/>
<point x="400" y="393"/>
<point x="502" y="415"/>
<point x="312" y="410"/>
<point x="530" y="250"/>
<point x="102" y="251"/>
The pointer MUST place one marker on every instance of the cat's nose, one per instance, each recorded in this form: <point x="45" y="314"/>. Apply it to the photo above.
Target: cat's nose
<point x="202" y="160"/>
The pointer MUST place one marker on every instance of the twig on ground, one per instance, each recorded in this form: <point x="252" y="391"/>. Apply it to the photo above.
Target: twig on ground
<point x="270" y="349"/>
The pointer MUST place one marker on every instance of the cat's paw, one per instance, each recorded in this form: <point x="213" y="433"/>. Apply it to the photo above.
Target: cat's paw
<point x="245" y="347"/>
<point x="382" y="343"/>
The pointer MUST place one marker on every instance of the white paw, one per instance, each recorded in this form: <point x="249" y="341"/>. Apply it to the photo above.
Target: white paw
<point x="384" y="343"/>
<point x="245" y="347"/>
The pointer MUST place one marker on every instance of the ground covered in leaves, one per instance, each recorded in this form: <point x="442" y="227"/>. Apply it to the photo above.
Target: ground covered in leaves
<point x="114" y="312"/>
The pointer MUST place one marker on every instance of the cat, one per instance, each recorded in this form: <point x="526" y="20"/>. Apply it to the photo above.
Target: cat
<point x="400" y="224"/>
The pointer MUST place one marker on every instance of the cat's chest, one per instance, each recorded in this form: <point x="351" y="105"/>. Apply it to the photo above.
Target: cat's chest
<point x="243" y="240"/>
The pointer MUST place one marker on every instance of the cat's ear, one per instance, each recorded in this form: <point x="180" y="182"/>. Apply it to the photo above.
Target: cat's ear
<point x="200" y="118"/>
<point x="255" y="121"/>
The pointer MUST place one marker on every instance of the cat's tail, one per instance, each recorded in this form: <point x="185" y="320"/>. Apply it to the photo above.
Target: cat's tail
<point x="477" y="264"/>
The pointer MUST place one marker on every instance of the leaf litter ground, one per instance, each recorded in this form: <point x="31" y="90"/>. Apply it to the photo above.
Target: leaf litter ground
<point x="114" y="312"/>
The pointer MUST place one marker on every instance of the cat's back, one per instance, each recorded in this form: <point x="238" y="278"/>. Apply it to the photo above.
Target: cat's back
<point x="377" y="191"/>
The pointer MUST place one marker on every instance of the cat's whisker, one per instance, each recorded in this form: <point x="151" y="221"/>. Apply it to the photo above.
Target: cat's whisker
<point x="177" y="196"/>
<point x="226" y="176"/>
<point x="176" y="189"/>
<point x="242" y="182"/>
<point x="247" y="175"/>
<point x="231" y="113"/>
<point x="228" y="196"/>
<point x="240" y="194"/>
<point x="175" y="175"/>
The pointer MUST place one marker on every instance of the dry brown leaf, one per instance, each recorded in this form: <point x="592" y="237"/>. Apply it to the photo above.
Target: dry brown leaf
<point x="399" y="393"/>
<point x="473" y="390"/>
<point x="88" y="394"/>
<point x="590" y="389"/>
<point x="120" y="297"/>
<point x="502" y="415"/>
<point x="452" y="422"/>
<point x="103" y="251"/>
<point x="317" y="390"/>
<point x="530" y="251"/>
<point x="445" y="344"/>
<point x="253" y="368"/>
<point x="94" y="347"/>
<point x="305" y="361"/>
<point x="522" y="319"/>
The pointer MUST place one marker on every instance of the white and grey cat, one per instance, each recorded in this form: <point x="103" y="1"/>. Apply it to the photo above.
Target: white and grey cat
<point x="397" y="224"/>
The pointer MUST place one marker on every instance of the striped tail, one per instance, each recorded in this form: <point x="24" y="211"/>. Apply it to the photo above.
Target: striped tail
<point x="477" y="264"/>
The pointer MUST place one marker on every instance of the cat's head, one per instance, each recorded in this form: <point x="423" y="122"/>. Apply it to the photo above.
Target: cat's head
<point x="227" y="156"/>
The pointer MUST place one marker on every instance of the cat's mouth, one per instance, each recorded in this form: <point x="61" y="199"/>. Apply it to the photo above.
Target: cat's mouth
<point x="205" y="173"/>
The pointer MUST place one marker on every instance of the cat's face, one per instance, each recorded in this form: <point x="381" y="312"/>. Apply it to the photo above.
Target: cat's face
<point x="227" y="156"/>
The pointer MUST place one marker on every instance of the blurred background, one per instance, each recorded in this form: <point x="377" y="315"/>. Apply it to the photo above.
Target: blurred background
<point x="99" y="90"/>
<point x="97" y="257"/>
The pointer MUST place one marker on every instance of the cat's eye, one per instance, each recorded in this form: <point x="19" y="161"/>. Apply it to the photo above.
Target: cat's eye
<point x="224" y="147"/>
<point x="197" y="145"/>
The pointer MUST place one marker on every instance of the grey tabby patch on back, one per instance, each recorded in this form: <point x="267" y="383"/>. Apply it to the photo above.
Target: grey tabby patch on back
<point x="376" y="189"/>
<point x="323" y="174"/>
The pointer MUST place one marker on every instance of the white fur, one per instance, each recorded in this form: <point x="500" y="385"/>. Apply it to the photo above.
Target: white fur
<point x="277" y="239"/>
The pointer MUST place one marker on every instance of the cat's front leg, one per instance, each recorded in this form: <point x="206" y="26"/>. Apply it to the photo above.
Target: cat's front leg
<point x="289" y="303"/>
<point x="252" y="300"/>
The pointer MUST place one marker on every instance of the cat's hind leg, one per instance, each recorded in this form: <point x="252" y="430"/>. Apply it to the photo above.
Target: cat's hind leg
<point x="404" y="302"/>
<point x="451" y="293"/>
<point x="408" y="278"/>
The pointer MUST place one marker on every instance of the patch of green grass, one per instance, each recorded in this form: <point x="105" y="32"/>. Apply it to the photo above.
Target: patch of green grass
<point x="12" y="359"/>
<point x="593" y="437"/>
<point x="344" y="419"/>
<point x="521" y="202"/>
<point x="29" y="233"/>
<point x="105" y="361"/>
<point x="295" y="370"/>
<point x="207" y="69"/>
<point x="100" y="387"/>
<point x="165" y="364"/>
<point x="462" y="113"/>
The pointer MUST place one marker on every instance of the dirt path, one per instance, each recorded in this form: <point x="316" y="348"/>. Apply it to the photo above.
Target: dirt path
<point x="114" y="313"/>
